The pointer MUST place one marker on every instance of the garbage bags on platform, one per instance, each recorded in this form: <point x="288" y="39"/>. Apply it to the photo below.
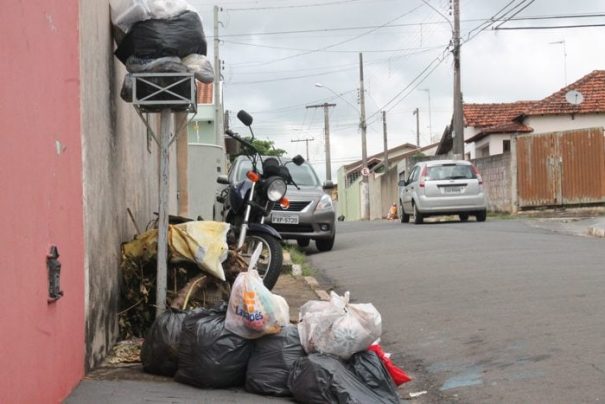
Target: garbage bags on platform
<point x="271" y="361"/>
<point x="159" y="353"/>
<point x="151" y="39"/>
<point x="125" y="13"/>
<point x="338" y="327"/>
<point x="209" y="355"/>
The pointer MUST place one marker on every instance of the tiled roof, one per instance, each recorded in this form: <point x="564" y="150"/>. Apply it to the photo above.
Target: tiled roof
<point x="592" y="87"/>
<point x="507" y="127"/>
<point x="485" y="115"/>
<point x="204" y="93"/>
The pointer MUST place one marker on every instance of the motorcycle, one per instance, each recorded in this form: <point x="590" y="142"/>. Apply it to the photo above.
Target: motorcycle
<point x="247" y="204"/>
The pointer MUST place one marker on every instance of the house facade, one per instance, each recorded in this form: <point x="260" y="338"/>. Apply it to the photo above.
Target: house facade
<point x="489" y="128"/>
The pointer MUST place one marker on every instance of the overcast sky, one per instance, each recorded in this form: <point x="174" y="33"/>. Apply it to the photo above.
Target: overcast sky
<point x="274" y="51"/>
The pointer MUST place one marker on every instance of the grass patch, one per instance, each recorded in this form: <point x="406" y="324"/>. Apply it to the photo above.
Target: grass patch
<point x="299" y="257"/>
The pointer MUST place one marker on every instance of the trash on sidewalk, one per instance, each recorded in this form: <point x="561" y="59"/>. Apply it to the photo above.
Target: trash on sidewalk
<point x="253" y="310"/>
<point x="369" y="368"/>
<point x="397" y="374"/>
<point x="321" y="378"/>
<point x="337" y="327"/>
<point x="417" y="394"/>
<point x="209" y="355"/>
<point x="271" y="360"/>
<point x="159" y="354"/>
<point x="201" y="242"/>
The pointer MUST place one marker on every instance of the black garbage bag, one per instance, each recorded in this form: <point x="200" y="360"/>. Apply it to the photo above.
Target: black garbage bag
<point x="159" y="353"/>
<point x="209" y="355"/>
<point x="369" y="369"/>
<point x="271" y="361"/>
<point x="151" y="39"/>
<point x="321" y="378"/>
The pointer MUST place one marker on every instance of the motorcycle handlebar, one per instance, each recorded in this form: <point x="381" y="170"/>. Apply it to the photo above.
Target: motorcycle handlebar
<point x="230" y="133"/>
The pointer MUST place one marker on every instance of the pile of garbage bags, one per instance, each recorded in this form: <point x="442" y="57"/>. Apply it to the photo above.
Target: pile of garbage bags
<point x="159" y="36"/>
<point x="330" y="356"/>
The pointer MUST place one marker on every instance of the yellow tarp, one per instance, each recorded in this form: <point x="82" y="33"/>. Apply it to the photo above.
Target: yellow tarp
<point x="201" y="242"/>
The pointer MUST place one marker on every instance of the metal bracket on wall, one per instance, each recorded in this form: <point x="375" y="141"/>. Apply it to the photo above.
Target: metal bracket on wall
<point x="54" y="275"/>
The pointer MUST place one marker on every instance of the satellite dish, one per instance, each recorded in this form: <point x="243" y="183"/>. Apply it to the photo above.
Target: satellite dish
<point x="574" y="97"/>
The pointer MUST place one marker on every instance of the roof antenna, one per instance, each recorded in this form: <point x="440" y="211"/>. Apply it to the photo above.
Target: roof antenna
<point x="562" y="42"/>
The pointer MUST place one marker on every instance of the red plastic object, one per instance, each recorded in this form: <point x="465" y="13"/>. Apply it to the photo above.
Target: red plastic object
<point x="397" y="374"/>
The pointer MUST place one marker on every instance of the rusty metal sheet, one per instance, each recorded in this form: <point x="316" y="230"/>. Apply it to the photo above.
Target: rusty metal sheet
<point x="583" y="166"/>
<point x="561" y="168"/>
<point x="535" y="170"/>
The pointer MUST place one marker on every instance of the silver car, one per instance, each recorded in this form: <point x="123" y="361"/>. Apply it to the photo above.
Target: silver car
<point x="442" y="187"/>
<point x="311" y="214"/>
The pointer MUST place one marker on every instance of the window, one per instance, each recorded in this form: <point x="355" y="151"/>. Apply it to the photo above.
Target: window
<point x="506" y="146"/>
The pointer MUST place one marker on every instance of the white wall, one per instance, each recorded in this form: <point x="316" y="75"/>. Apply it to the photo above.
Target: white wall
<point x="495" y="145"/>
<point x="206" y="162"/>
<point x="555" y="123"/>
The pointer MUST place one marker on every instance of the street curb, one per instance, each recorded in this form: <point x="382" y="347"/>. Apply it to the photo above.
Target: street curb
<point x="596" y="231"/>
<point x="313" y="284"/>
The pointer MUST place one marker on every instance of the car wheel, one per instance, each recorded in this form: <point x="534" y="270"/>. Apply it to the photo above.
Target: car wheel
<point x="463" y="217"/>
<point x="418" y="218"/>
<point x="481" y="216"/>
<point x="303" y="242"/>
<point x="325" y="244"/>
<point x="404" y="216"/>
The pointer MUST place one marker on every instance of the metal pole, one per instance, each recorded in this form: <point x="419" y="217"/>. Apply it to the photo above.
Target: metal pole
<point x="161" y="278"/>
<point x="307" y="140"/>
<point x="327" y="142"/>
<point x="458" y="144"/>
<point x="428" y="92"/>
<point x="384" y="133"/>
<point x="417" y="113"/>
<point x="325" y="106"/>
<point x="365" y="188"/>
<point x="216" y="84"/>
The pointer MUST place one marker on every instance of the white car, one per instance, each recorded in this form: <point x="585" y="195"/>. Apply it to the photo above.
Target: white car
<point x="442" y="187"/>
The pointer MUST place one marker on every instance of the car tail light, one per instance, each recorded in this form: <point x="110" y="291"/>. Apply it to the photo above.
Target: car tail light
<point x="252" y="176"/>
<point x="477" y="174"/>
<point x="422" y="177"/>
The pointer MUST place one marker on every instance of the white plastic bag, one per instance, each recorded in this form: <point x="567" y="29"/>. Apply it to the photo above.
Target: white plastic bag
<point x="253" y="310"/>
<point x="337" y="327"/>
<point x="125" y="13"/>
<point x="200" y="66"/>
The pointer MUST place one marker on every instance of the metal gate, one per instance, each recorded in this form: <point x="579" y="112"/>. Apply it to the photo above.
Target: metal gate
<point x="561" y="168"/>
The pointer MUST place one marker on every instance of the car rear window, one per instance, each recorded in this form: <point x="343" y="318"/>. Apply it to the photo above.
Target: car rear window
<point x="450" y="172"/>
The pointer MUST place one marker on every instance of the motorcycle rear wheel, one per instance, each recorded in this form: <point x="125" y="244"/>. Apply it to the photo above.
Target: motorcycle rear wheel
<point x="270" y="262"/>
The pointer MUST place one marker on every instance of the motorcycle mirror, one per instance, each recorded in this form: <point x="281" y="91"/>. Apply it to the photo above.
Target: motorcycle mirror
<point x="244" y="117"/>
<point x="298" y="160"/>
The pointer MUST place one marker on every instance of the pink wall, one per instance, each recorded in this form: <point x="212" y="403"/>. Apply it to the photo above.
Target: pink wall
<point x="41" y="344"/>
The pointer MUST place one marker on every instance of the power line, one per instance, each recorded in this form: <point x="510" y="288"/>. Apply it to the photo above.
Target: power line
<point x="331" y="3"/>
<point x="341" y="42"/>
<point x="550" y="27"/>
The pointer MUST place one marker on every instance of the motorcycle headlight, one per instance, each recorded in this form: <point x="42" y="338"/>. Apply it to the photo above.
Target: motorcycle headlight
<point x="325" y="203"/>
<point x="276" y="189"/>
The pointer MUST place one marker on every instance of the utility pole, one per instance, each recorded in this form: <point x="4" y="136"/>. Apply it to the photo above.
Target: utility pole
<point x="218" y="129"/>
<point x="325" y="106"/>
<point x="365" y="187"/>
<point x="458" y="144"/>
<point x="417" y="113"/>
<point x="384" y="135"/>
<point x="306" y="140"/>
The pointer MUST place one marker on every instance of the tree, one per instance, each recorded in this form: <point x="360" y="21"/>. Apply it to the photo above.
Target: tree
<point x="265" y="147"/>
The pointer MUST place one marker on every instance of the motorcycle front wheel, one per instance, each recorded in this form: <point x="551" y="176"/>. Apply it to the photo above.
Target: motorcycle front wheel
<point x="271" y="258"/>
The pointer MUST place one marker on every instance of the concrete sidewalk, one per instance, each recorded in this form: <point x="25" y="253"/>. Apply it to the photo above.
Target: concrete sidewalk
<point x="129" y="384"/>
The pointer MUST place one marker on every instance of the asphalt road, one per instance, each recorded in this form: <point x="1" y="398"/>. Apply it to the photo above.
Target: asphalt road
<point x="498" y="312"/>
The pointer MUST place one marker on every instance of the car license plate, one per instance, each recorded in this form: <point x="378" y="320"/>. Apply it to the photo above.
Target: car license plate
<point x="284" y="219"/>
<point x="451" y="190"/>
